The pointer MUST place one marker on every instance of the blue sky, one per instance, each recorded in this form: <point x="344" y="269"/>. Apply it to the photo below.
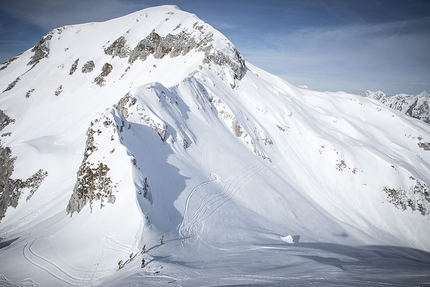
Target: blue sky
<point x="328" y="45"/>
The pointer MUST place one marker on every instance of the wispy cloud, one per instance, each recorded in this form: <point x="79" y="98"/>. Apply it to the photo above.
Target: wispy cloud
<point x="223" y="25"/>
<point x="351" y="57"/>
<point x="49" y="14"/>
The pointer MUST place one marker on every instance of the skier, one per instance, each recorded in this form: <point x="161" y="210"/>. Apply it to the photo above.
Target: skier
<point x="119" y="264"/>
<point x="162" y="239"/>
<point x="143" y="249"/>
<point x="143" y="263"/>
<point x="131" y="256"/>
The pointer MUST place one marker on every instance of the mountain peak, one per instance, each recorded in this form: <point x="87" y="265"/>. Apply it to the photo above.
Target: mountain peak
<point x="157" y="32"/>
<point x="119" y="133"/>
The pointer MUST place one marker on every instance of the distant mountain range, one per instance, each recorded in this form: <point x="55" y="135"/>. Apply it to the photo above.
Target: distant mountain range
<point x="416" y="106"/>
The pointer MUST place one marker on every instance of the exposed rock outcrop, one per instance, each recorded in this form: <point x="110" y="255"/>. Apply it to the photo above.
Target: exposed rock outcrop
<point x="118" y="48"/>
<point x="93" y="181"/>
<point x="146" y="117"/>
<point x="88" y="67"/>
<point x="12" y="189"/>
<point x="8" y="62"/>
<point x="12" y="85"/>
<point x="183" y="43"/>
<point x="74" y="67"/>
<point x="106" y="69"/>
<point x="41" y="50"/>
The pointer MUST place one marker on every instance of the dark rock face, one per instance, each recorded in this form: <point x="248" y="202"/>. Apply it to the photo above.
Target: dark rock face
<point x="106" y="69"/>
<point x="414" y="198"/>
<point x="12" y="189"/>
<point x="119" y="48"/>
<point x="12" y="85"/>
<point x="93" y="180"/>
<point x="126" y="102"/>
<point x="236" y="63"/>
<point x="58" y="91"/>
<point x="88" y="67"/>
<point x="41" y="50"/>
<point x="74" y="67"/>
<point x="158" y="46"/>
<point x="183" y="43"/>
<point x="8" y="62"/>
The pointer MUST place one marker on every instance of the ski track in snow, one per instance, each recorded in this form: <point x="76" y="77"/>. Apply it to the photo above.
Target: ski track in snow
<point x="28" y="282"/>
<point x="47" y="265"/>
<point x="105" y="242"/>
<point x="92" y="274"/>
<point x="120" y="246"/>
<point x="207" y="207"/>
<point x="94" y="262"/>
<point x="153" y="280"/>
<point x="165" y="278"/>
<point x="187" y="203"/>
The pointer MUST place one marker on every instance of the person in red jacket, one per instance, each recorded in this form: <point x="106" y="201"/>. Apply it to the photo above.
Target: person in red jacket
<point x="143" y="262"/>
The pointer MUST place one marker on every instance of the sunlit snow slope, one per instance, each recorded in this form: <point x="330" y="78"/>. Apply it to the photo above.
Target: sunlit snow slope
<point x="153" y="124"/>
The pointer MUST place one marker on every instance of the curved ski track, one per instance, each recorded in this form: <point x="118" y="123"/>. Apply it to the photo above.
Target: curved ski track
<point x="210" y="203"/>
<point x="56" y="271"/>
<point x="48" y="266"/>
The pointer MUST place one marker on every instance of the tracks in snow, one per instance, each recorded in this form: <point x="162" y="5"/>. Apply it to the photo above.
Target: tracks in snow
<point x="48" y="266"/>
<point x="201" y="204"/>
<point x="187" y="203"/>
<point x="67" y="274"/>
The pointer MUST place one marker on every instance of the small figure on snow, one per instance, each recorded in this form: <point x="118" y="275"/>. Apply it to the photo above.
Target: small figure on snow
<point x="143" y="263"/>
<point x="162" y="239"/>
<point x="119" y="264"/>
<point x="143" y="249"/>
<point x="131" y="256"/>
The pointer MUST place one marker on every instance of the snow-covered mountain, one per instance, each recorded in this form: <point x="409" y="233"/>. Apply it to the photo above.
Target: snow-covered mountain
<point x="117" y="133"/>
<point x="416" y="106"/>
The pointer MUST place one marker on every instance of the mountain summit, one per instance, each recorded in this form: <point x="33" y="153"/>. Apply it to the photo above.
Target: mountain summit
<point x="152" y="125"/>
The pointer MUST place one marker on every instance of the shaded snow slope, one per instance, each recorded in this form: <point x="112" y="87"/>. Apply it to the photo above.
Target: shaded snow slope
<point x="152" y="124"/>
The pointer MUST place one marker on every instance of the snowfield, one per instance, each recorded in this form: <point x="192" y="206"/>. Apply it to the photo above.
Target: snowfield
<point x="154" y="125"/>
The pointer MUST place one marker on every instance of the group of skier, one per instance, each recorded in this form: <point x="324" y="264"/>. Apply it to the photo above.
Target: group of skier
<point x="121" y="264"/>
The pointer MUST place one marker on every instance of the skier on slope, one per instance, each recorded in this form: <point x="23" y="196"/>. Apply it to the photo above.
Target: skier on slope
<point x="162" y="239"/>
<point x="143" y="263"/>
<point x="143" y="249"/>
<point x="119" y="264"/>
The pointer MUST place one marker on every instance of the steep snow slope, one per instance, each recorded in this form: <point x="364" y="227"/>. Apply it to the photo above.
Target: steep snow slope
<point x="152" y="124"/>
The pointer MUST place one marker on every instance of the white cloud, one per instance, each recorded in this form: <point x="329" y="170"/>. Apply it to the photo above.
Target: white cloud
<point x="222" y="25"/>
